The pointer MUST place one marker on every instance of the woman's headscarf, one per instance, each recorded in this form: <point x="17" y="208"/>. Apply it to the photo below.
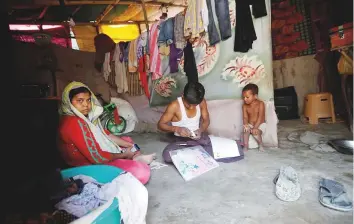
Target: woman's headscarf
<point x="92" y="119"/>
<point x="68" y="109"/>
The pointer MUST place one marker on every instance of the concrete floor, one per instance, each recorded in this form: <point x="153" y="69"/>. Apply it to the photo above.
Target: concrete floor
<point x="243" y="192"/>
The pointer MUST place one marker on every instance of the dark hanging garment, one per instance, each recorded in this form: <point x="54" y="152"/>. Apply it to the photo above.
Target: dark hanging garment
<point x="259" y="8"/>
<point x="190" y="67"/>
<point x="244" y="31"/>
<point x="103" y="44"/>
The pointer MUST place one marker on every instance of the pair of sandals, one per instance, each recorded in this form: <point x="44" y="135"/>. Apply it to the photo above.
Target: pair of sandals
<point x="332" y="194"/>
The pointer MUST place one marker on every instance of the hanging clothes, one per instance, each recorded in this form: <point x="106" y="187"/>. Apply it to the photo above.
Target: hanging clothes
<point x="223" y="13"/>
<point x="121" y="80"/>
<point x="126" y="46"/>
<point x="103" y="44"/>
<point x="190" y="67"/>
<point x="193" y="22"/>
<point x="166" y="32"/>
<point x="178" y="30"/>
<point x="175" y="55"/>
<point x="205" y="15"/>
<point x="244" y="31"/>
<point x="133" y="61"/>
<point x="121" y="48"/>
<point x="155" y="60"/>
<point x="107" y="66"/>
<point x="143" y="75"/>
<point x="141" y="45"/>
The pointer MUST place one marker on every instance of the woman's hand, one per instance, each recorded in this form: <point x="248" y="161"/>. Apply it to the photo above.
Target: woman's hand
<point x="129" y="154"/>
<point x="120" y="142"/>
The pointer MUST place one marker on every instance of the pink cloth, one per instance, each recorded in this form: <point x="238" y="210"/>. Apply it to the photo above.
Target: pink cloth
<point x="155" y="59"/>
<point x="138" y="169"/>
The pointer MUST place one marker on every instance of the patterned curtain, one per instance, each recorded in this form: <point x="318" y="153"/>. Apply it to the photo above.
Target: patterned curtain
<point x="291" y="29"/>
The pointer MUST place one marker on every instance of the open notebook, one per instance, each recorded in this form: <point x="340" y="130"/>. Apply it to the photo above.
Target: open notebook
<point x="192" y="162"/>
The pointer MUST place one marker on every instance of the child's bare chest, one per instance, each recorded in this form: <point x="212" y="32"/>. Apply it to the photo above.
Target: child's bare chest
<point x="253" y="111"/>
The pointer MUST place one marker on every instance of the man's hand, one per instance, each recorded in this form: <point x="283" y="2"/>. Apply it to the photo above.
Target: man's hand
<point x="255" y="131"/>
<point x="198" y="134"/>
<point x="183" y="132"/>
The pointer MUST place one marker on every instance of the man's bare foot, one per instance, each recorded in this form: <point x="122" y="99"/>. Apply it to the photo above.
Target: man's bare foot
<point x="261" y="148"/>
<point x="245" y="148"/>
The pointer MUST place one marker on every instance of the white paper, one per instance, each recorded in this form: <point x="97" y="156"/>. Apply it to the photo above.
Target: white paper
<point x="223" y="147"/>
<point x="156" y="165"/>
<point x="192" y="162"/>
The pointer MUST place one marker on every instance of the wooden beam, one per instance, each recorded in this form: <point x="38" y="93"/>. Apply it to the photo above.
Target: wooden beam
<point x="100" y="2"/>
<point x="138" y="24"/>
<point x="146" y="20"/>
<point x="105" y="12"/>
<point x="43" y="12"/>
<point x="76" y="10"/>
<point x="36" y="22"/>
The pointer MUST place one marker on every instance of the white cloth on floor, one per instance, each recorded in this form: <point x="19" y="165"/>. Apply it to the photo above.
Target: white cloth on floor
<point x="132" y="198"/>
<point x="106" y="66"/>
<point x="287" y="186"/>
<point x="315" y="141"/>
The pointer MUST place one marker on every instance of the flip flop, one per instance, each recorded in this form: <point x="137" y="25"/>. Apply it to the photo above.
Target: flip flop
<point x="276" y="178"/>
<point x="287" y="184"/>
<point x="333" y="195"/>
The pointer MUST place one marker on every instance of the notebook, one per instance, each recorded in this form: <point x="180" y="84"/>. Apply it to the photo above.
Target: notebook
<point x="192" y="162"/>
<point x="224" y="148"/>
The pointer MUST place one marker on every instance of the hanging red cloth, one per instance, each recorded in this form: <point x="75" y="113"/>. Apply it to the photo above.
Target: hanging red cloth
<point x="143" y="75"/>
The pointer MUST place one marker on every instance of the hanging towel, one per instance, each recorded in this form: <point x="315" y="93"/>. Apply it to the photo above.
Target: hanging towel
<point x="178" y="30"/>
<point x="120" y="71"/>
<point x="106" y="66"/>
<point x="193" y="22"/>
<point x="155" y="60"/>
<point x="132" y="61"/>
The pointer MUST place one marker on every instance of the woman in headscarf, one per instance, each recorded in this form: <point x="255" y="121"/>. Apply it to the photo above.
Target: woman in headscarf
<point x="83" y="141"/>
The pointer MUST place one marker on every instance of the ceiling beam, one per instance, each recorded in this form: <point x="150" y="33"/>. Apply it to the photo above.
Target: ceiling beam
<point x="76" y="10"/>
<point x="105" y="12"/>
<point x="35" y="22"/>
<point x="43" y="13"/>
<point x="101" y="2"/>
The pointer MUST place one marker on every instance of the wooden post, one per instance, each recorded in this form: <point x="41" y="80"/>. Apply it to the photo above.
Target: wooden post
<point x="138" y="24"/>
<point x="146" y="23"/>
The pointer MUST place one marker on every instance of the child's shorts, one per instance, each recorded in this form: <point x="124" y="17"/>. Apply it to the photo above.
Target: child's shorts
<point x="262" y="127"/>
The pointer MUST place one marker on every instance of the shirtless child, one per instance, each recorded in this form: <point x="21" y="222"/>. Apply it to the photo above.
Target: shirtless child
<point x="253" y="115"/>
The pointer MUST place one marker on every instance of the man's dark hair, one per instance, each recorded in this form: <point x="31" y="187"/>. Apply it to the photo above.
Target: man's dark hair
<point x="194" y="92"/>
<point x="252" y="87"/>
<point x="76" y="91"/>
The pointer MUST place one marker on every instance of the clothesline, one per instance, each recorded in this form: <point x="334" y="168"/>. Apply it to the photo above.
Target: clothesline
<point x="158" y="53"/>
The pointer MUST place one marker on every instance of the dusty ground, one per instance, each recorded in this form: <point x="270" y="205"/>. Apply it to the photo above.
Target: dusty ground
<point x="243" y="192"/>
